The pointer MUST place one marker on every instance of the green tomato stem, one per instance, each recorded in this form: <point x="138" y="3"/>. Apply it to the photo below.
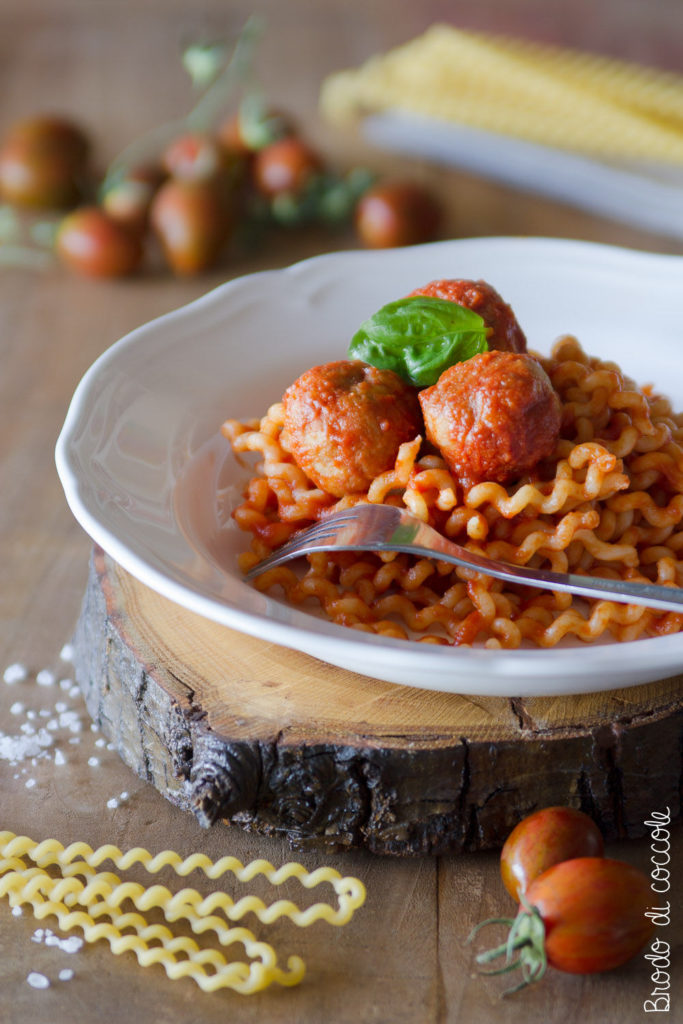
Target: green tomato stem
<point x="203" y="62"/>
<point x="203" y="115"/>
<point x="526" y="937"/>
<point x="237" y="70"/>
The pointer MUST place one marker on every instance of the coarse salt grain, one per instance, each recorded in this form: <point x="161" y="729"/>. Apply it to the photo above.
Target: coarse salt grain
<point x="37" y="980"/>
<point x="66" y="974"/>
<point x="114" y="802"/>
<point x="46" y="678"/>
<point x="15" y="673"/>
<point x="100" y="742"/>
<point x="17" y="708"/>
<point x="71" y="720"/>
<point x="67" y="652"/>
<point x="17" y="911"/>
<point x="30" y="783"/>
<point x="93" y="762"/>
<point x="19" y="748"/>
<point x="61" y="706"/>
<point x="70" y="945"/>
<point x="59" y="758"/>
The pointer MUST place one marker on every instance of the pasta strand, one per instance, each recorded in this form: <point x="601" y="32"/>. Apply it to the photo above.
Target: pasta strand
<point x="81" y="902"/>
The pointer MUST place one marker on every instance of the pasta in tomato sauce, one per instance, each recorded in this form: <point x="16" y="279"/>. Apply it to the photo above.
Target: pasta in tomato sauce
<point x="608" y="501"/>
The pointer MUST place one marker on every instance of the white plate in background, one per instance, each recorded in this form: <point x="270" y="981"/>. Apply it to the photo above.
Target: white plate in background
<point x="647" y="196"/>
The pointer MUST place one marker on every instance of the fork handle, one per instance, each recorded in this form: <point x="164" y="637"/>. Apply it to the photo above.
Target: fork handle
<point x="652" y="595"/>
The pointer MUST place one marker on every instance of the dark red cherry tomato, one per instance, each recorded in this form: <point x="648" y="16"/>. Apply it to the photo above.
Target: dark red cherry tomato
<point x="230" y="136"/>
<point x="396" y="214"/>
<point x="128" y="199"/>
<point x="43" y="163"/>
<point x="195" y="157"/>
<point x="581" y="916"/>
<point x="90" y="242"/>
<point x="593" y="911"/>
<point x="54" y="134"/>
<point x="544" y="838"/>
<point x="285" y="166"/>
<point x="192" y="220"/>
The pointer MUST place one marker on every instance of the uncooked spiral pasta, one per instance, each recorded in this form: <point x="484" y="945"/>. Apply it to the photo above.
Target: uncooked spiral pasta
<point x="608" y="502"/>
<point x="80" y="896"/>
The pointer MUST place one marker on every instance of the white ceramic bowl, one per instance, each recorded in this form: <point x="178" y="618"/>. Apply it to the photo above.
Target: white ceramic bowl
<point x="146" y="477"/>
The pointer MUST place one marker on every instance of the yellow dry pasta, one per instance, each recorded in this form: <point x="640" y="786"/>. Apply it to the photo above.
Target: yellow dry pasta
<point x="545" y="94"/>
<point x="83" y="903"/>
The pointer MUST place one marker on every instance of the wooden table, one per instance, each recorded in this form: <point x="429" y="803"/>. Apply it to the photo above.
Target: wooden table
<point x="114" y="66"/>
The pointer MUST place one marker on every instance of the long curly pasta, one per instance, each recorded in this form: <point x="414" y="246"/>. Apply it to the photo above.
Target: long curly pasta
<point x="83" y="903"/>
<point x="609" y="502"/>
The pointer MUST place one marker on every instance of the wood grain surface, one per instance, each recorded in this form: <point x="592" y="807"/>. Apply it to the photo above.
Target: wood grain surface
<point x="402" y="960"/>
<point x="235" y="729"/>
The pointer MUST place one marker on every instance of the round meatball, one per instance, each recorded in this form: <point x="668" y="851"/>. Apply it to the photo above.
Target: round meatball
<point x="344" y="422"/>
<point x="506" y="334"/>
<point x="493" y="417"/>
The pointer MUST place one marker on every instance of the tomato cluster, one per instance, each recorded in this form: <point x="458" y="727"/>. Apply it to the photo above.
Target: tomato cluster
<point x="200" y="195"/>
<point x="579" y="911"/>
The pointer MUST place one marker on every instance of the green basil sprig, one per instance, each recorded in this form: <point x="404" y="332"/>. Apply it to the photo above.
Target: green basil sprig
<point x="419" y="337"/>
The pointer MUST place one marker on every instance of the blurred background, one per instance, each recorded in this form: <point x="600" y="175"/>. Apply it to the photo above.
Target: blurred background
<point x="116" y="69"/>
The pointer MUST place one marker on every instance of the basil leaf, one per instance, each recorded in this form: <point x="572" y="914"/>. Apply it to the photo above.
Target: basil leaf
<point x="419" y="337"/>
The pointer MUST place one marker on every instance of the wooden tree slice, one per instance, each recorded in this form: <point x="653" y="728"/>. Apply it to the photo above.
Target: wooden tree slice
<point x="240" y="730"/>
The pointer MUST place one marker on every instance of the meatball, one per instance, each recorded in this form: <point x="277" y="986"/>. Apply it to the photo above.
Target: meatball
<point x="344" y="422"/>
<point x="482" y="298"/>
<point x="493" y="417"/>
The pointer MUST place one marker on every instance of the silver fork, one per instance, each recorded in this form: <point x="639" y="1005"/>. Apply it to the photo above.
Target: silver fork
<point x="368" y="527"/>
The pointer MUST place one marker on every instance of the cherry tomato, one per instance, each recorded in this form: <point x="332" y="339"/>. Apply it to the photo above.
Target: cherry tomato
<point x="196" y="157"/>
<point x="395" y="214"/>
<point x="192" y="221"/>
<point x="252" y="128"/>
<point x="544" y="838"/>
<point x="230" y="136"/>
<point x="90" y="242"/>
<point x="581" y="916"/>
<point x="128" y="199"/>
<point x="43" y="163"/>
<point x="285" y="166"/>
<point x="58" y="134"/>
<point x="593" y="911"/>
